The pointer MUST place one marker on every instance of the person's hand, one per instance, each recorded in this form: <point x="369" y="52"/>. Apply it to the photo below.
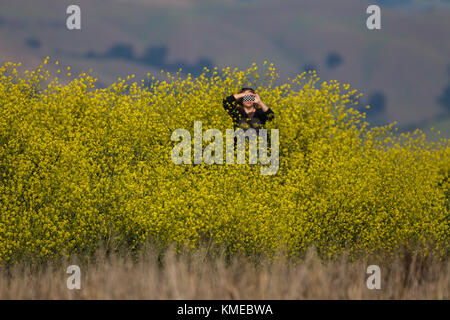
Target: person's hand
<point x="239" y="95"/>
<point x="257" y="98"/>
<point x="260" y="103"/>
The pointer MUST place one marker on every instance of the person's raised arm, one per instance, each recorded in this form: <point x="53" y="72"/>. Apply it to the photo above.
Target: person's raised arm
<point x="238" y="95"/>
<point x="262" y="104"/>
<point x="228" y="102"/>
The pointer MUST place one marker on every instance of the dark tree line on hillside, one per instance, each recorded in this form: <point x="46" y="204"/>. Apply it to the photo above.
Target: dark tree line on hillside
<point x="155" y="56"/>
<point x="332" y="61"/>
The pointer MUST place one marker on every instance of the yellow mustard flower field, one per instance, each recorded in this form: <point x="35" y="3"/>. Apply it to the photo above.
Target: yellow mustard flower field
<point x="83" y="167"/>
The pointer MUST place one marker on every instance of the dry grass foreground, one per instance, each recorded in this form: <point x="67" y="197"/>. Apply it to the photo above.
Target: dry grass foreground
<point x="192" y="276"/>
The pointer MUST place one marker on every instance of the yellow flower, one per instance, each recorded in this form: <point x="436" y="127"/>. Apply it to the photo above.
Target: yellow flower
<point x="84" y="167"/>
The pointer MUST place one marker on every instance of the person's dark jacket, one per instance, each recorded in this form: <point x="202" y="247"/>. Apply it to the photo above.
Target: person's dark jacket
<point x="241" y="119"/>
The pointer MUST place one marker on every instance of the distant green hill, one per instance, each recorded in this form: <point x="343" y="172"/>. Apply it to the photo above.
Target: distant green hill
<point x="403" y="65"/>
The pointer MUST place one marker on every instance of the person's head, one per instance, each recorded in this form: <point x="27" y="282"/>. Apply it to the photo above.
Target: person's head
<point x="242" y="102"/>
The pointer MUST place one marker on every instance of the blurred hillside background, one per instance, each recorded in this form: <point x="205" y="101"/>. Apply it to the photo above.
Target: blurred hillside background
<point x="403" y="70"/>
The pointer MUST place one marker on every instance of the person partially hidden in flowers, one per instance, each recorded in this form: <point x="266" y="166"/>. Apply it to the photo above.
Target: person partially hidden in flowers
<point x="247" y="110"/>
